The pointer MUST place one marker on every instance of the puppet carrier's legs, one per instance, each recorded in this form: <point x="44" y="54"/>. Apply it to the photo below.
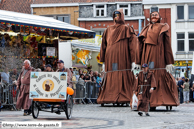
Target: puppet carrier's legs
<point x="168" y="108"/>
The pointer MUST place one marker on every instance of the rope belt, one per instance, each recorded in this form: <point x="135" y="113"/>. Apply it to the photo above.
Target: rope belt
<point x="131" y="69"/>
<point x="123" y="70"/>
<point x="141" y="89"/>
<point x="144" y="85"/>
<point x="25" y="84"/>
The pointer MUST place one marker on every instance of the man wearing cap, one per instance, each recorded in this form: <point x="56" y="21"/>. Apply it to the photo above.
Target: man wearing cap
<point x="49" y="68"/>
<point x="61" y="68"/>
<point x="144" y="87"/>
<point x="180" y="84"/>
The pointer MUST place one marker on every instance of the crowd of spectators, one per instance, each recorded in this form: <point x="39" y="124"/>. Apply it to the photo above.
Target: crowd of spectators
<point x="78" y="76"/>
<point x="91" y="79"/>
<point x="185" y="90"/>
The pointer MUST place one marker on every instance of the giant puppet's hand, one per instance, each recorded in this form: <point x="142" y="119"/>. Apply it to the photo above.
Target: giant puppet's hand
<point x="169" y="68"/>
<point x="136" y="66"/>
<point x="103" y="67"/>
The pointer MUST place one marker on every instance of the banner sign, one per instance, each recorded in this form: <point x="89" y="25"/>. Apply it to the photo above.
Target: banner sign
<point x="48" y="85"/>
<point x="182" y="63"/>
<point x="97" y="40"/>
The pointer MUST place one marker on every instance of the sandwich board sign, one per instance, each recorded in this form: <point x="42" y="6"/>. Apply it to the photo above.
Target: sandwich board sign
<point x="48" y="85"/>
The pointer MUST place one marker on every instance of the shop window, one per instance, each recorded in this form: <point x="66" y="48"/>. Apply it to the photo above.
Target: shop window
<point x="60" y="18"/>
<point x="100" y="10"/>
<point x="125" y="9"/>
<point x="180" y="41"/>
<point x="136" y="9"/>
<point x="64" y="19"/>
<point x="154" y="9"/>
<point x="180" y="12"/>
<point x="191" y="41"/>
<point x="191" y="12"/>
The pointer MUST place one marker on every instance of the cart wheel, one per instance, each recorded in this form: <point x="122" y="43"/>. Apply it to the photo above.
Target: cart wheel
<point x="69" y="106"/>
<point x="35" y="110"/>
<point x="102" y="105"/>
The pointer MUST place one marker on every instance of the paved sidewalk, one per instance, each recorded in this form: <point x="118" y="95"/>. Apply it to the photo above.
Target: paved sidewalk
<point x="95" y="117"/>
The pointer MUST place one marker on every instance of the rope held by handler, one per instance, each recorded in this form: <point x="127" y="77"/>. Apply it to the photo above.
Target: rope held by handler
<point x="123" y="70"/>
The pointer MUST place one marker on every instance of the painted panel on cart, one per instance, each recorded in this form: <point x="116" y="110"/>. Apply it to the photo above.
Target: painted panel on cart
<point x="48" y="85"/>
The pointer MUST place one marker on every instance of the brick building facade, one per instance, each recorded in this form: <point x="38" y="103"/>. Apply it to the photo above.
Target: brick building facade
<point x="68" y="13"/>
<point x="98" y="16"/>
<point x="92" y="14"/>
<point x="100" y="26"/>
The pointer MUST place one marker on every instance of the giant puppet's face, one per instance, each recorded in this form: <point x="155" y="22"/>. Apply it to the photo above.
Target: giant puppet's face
<point x="117" y="15"/>
<point x="155" y="17"/>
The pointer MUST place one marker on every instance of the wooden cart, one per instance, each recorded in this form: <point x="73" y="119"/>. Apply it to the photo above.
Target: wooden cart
<point x="53" y="106"/>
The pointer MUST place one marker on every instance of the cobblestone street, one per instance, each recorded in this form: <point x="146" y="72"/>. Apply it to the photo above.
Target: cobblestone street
<point x="95" y="116"/>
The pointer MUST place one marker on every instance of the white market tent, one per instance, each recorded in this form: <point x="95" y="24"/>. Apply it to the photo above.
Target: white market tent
<point x="86" y="46"/>
<point x="40" y="21"/>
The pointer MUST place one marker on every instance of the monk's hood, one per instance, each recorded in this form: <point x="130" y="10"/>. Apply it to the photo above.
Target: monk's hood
<point x="121" y="20"/>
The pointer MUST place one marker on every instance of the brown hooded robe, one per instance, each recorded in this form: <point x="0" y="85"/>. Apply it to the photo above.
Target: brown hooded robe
<point x="144" y="98"/>
<point x="154" y="46"/>
<point x="118" y="53"/>
<point x="23" y="82"/>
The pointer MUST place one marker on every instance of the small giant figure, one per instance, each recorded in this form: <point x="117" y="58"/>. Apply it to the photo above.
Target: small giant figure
<point x="144" y="87"/>
<point x="117" y="52"/>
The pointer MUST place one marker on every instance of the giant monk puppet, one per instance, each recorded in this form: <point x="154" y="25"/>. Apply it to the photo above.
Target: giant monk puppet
<point x="154" y="48"/>
<point x="117" y="52"/>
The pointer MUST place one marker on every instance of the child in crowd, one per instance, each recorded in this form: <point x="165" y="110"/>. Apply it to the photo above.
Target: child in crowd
<point x="99" y="80"/>
<point x="186" y="91"/>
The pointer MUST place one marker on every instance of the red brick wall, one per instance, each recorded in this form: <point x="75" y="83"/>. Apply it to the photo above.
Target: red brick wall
<point x="87" y="24"/>
<point x="164" y="13"/>
<point x="147" y="15"/>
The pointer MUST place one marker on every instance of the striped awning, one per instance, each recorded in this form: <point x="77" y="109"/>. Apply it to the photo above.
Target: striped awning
<point x="34" y="21"/>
